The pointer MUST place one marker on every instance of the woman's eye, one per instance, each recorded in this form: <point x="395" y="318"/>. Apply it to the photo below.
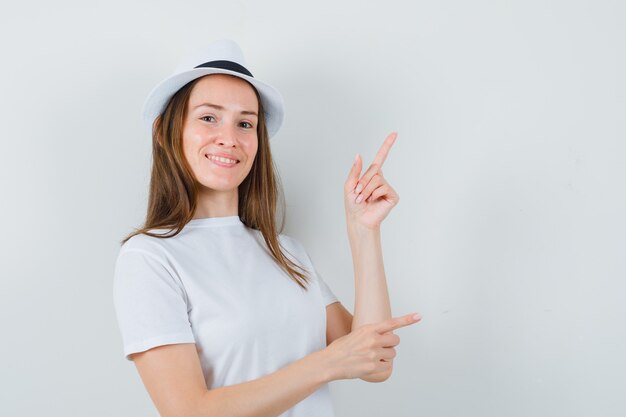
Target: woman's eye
<point x="204" y="117"/>
<point x="247" y="123"/>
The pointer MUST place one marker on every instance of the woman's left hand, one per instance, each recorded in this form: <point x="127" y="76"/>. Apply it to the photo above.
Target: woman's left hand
<point x="369" y="198"/>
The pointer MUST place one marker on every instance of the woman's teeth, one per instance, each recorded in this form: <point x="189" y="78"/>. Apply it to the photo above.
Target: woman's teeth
<point x="223" y="160"/>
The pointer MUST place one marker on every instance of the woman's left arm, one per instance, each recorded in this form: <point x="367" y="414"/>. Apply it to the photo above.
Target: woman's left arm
<point x="368" y="200"/>
<point x="371" y="298"/>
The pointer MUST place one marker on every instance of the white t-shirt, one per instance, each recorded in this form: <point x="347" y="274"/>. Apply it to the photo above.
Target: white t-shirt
<point x="216" y="285"/>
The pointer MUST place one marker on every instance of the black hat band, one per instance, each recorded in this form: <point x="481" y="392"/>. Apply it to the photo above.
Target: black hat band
<point x="227" y="65"/>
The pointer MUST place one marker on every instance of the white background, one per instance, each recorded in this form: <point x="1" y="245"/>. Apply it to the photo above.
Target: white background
<point x="510" y="163"/>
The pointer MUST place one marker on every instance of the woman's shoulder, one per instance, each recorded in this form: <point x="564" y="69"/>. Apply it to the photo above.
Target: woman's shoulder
<point x="295" y="247"/>
<point x="290" y="241"/>
<point x="142" y="242"/>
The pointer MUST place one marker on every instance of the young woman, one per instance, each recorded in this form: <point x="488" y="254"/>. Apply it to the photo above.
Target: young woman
<point x="221" y="313"/>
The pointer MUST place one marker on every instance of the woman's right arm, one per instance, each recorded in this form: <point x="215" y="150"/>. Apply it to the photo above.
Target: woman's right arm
<point x="173" y="377"/>
<point x="172" y="374"/>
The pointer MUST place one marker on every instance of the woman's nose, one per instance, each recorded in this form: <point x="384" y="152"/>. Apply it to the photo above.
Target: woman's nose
<point x="227" y="135"/>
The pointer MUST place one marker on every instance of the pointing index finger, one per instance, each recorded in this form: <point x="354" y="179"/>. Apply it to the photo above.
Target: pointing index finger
<point x="384" y="149"/>
<point x="397" y="322"/>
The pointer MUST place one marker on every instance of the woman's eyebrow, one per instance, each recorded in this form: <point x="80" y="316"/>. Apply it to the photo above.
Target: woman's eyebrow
<point x="222" y="108"/>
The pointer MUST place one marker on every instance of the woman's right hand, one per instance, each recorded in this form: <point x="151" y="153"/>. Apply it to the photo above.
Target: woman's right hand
<point x="367" y="350"/>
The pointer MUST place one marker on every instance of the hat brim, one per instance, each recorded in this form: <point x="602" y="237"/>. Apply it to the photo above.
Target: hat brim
<point x="272" y="100"/>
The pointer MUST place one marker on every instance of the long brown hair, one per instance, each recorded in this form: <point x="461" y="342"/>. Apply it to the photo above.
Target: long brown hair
<point x="174" y="189"/>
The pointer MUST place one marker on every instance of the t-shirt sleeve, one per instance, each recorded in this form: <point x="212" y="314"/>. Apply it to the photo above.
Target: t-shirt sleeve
<point x="150" y="303"/>
<point x="327" y="294"/>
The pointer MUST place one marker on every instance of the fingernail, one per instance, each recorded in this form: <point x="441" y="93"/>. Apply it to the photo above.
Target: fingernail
<point x="356" y="157"/>
<point x="359" y="188"/>
<point x="416" y="317"/>
<point x="359" y="198"/>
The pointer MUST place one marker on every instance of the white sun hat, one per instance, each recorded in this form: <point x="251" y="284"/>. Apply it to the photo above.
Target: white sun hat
<point x="222" y="56"/>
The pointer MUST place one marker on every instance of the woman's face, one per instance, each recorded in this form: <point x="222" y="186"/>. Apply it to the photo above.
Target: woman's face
<point x="222" y="117"/>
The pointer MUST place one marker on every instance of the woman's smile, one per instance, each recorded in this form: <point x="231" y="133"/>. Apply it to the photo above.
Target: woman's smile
<point x="222" y="162"/>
